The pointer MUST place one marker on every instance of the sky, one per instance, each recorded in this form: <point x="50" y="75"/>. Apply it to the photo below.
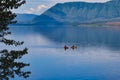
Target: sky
<point x="39" y="6"/>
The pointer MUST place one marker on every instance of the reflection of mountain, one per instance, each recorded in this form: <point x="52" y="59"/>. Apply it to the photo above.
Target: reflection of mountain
<point x="82" y="36"/>
<point x="79" y="12"/>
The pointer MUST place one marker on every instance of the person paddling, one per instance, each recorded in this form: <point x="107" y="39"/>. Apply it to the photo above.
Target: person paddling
<point x="65" y="47"/>
<point x="74" y="47"/>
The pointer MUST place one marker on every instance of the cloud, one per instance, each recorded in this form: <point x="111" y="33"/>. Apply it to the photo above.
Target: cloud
<point x="31" y="9"/>
<point x="37" y="10"/>
<point x="62" y="1"/>
<point x="88" y="0"/>
<point x="39" y="6"/>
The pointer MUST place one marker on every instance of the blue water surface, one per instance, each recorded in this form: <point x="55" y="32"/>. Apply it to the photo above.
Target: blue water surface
<point x="96" y="58"/>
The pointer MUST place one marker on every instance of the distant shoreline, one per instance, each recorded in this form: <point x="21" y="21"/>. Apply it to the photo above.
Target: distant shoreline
<point x="101" y="24"/>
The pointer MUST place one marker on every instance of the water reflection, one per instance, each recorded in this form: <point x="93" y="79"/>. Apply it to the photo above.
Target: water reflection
<point x="57" y="64"/>
<point x="96" y="58"/>
<point x="81" y="36"/>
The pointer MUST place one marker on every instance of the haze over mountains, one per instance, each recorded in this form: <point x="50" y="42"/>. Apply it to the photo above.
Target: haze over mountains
<point x="25" y="18"/>
<point x="80" y="12"/>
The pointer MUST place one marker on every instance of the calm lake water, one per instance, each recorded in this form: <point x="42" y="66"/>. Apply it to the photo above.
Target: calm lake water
<point x="96" y="58"/>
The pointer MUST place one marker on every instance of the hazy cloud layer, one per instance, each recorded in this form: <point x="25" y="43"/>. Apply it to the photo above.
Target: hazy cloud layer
<point x="37" y="10"/>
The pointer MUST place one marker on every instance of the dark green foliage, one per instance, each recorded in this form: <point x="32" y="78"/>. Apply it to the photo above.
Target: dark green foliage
<point x="9" y="66"/>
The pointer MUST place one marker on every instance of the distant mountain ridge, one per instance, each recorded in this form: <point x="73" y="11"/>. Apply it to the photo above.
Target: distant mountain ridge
<point x="24" y="18"/>
<point x="80" y="12"/>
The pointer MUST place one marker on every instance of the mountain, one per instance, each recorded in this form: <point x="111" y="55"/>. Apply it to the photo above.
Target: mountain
<point x="80" y="12"/>
<point x="44" y="19"/>
<point x="25" y="18"/>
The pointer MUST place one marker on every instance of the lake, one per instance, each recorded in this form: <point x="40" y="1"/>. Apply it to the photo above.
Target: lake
<point x="97" y="56"/>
